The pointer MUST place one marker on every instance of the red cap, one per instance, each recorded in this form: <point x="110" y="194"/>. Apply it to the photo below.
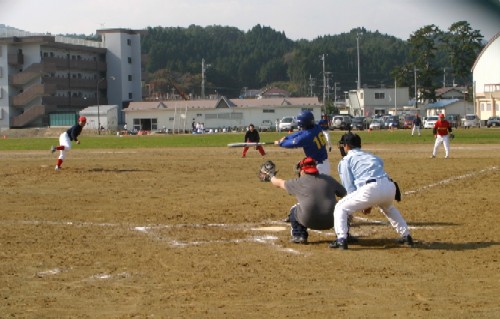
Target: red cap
<point x="82" y="119"/>
<point x="308" y="165"/>
<point x="441" y="115"/>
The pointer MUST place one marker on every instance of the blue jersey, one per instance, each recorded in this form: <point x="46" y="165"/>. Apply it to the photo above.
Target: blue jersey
<point x="312" y="140"/>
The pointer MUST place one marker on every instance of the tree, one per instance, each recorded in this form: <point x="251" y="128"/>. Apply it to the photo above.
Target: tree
<point x="423" y="45"/>
<point x="463" y="45"/>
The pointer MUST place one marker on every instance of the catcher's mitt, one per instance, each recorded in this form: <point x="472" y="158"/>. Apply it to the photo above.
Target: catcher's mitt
<point x="452" y="136"/>
<point x="267" y="170"/>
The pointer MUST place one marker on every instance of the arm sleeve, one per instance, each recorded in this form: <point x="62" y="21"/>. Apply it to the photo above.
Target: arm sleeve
<point x="346" y="176"/>
<point x="434" y="131"/>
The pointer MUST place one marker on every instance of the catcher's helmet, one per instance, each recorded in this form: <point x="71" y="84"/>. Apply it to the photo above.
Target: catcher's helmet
<point x="308" y="165"/>
<point x="351" y="139"/>
<point x="305" y="119"/>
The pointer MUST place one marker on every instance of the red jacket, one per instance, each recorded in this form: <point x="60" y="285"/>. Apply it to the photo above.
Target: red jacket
<point x="442" y="127"/>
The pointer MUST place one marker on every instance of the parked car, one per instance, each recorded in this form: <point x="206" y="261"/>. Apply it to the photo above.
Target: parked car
<point x="430" y="121"/>
<point x="493" y="121"/>
<point x="359" y="123"/>
<point x="392" y="121"/>
<point x="266" y="125"/>
<point x="408" y="121"/>
<point x="288" y="123"/>
<point x="376" y="124"/>
<point x="471" y="120"/>
<point x="341" y="122"/>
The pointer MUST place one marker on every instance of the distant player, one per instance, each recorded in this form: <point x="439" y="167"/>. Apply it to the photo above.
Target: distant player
<point x="252" y="136"/>
<point x="441" y="130"/>
<point x="66" y="138"/>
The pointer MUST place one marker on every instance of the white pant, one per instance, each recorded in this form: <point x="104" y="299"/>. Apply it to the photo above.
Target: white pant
<point x="380" y="193"/>
<point x="415" y="128"/>
<point x="446" y="142"/>
<point x="66" y="142"/>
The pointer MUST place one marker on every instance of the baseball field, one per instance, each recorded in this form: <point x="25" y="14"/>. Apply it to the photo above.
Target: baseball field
<point x="181" y="227"/>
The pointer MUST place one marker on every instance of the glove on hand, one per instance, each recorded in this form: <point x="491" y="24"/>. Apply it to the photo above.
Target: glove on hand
<point x="452" y="136"/>
<point x="267" y="171"/>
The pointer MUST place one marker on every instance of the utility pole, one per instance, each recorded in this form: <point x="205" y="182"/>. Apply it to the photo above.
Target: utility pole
<point x="203" y="69"/>
<point x="335" y="87"/>
<point x="322" y="57"/>
<point x="415" y="74"/>
<point x="359" y="69"/>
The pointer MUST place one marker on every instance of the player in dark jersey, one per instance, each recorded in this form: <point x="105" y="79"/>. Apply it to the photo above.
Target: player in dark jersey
<point x="65" y="140"/>
<point x="311" y="139"/>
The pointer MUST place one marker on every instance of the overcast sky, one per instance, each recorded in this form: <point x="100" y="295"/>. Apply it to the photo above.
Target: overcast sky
<point x="299" y="19"/>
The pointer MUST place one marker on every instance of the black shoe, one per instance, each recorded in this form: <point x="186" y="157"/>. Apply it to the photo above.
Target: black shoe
<point x="351" y="238"/>
<point x="339" y="243"/>
<point x="298" y="240"/>
<point x="406" y="240"/>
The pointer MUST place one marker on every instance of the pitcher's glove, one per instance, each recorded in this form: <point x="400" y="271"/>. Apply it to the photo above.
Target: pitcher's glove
<point x="452" y="136"/>
<point x="267" y="171"/>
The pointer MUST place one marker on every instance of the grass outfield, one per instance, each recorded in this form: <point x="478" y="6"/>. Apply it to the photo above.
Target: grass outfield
<point x="470" y="136"/>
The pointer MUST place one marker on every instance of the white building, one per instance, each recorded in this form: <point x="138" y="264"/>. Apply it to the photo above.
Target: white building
<point x="106" y="115"/>
<point x="178" y="115"/>
<point x="377" y="101"/>
<point x="47" y="79"/>
<point x="486" y="76"/>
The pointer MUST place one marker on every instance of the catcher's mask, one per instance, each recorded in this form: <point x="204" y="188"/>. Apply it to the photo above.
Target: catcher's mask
<point x="351" y="139"/>
<point x="308" y="165"/>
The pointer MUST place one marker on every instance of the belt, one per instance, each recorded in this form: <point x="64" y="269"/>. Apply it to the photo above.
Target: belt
<point x="373" y="180"/>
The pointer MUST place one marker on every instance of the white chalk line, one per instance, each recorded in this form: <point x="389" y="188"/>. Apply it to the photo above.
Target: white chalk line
<point x="451" y="179"/>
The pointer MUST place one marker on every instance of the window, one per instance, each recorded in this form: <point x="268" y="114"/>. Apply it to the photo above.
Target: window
<point x="129" y="42"/>
<point x="129" y="77"/>
<point x="1" y="95"/>
<point x="130" y="96"/>
<point x="379" y="96"/>
<point x="0" y="71"/>
<point x="268" y="110"/>
<point x="129" y="60"/>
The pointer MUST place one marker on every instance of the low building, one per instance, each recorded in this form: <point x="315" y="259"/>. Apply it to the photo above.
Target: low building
<point x="377" y="101"/>
<point x="215" y="114"/>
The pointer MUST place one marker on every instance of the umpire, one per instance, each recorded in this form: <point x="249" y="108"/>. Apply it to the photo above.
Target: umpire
<point x="315" y="194"/>
<point x="367" y="185"/>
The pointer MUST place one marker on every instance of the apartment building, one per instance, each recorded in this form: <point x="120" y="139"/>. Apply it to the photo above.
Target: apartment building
<point x="46" y="80"/>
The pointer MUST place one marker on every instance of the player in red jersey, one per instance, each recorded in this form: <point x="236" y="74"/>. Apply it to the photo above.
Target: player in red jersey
<point x="441" y="130"/>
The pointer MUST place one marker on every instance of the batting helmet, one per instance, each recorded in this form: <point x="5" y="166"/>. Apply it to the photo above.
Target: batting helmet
<point x="305" y="119"/>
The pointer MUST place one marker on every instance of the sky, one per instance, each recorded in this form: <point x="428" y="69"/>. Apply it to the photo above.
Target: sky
<point x="298" y="19"/>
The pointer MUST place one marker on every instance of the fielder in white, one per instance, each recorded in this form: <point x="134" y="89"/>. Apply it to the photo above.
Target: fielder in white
<point x="367" y="185"/>
<point x="65" y="140"/>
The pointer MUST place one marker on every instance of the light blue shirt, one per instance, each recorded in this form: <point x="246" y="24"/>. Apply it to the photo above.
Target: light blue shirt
<point x="359" y="166"/>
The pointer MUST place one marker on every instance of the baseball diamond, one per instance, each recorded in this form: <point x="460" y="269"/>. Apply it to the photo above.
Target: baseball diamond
<point x="192" y="233"/>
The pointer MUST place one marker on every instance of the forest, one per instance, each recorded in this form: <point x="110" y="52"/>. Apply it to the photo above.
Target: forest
<point x="235" y="60"/>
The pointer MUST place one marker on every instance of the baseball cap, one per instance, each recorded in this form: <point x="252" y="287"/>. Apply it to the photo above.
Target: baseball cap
<point x="82" y="119"/>
<point x="308" y="165"/>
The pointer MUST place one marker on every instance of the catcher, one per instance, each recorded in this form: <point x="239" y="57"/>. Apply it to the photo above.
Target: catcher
<point x="315" y="194"/>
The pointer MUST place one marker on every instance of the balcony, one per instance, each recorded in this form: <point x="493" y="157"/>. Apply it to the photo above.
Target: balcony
<point x="62" y="63"/>
<point x="67" y="84"/>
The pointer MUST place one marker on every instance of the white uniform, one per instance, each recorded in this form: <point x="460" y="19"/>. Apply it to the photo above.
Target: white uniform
<point x="367" y="185"/>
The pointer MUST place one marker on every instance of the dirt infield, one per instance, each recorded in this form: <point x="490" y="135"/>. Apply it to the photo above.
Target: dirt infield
<point x="192" y="233"/>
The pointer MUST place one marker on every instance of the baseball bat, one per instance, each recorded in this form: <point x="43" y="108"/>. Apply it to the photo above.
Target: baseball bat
<point x="248" y="144"/>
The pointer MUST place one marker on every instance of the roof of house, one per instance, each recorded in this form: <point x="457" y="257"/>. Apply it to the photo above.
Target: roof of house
<point x="496" y="36"/>
<point x="222" y="103"/>
<point x="442" y="103"/>
<point x="444" y="90"/>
